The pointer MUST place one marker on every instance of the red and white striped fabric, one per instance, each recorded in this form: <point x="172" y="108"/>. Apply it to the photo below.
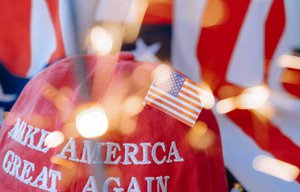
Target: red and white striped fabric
<point x="240" y="49"/>
<point x="35" y="33"/>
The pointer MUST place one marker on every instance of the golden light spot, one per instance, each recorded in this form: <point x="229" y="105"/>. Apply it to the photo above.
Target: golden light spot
<point x="134" y="19"/>
<point x="276" y="168"/>
<point x="291" y="77"/>
<point x="54" y="139"/>
<point x="225" y="105"/>
<point x="163" y="68"/>
<point x="132" y="106"/>
<point x="113" y="172"/>
<point x="66" y="91"/>
<point x="226" y="91"/>
<point x="289" y="61"/>
<point x="207" y="96"/>
<point x="61" y="101"/>
<point x="200" y="137"/>
<point x="62" y="162"/>
<point x="215" y="13"/>
<point x="49" y="92"/>
<point x="253" y="98"/>
<point x="268" y="111"/>
<point x="128" y="125"/>
<point x="141" y="75"/>
<point x="69" y="128"/>
<point x="92" y="122"/>
<point x="101" y="40"/>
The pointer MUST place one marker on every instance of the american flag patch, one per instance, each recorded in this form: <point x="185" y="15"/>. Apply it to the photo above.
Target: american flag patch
<point x="176" y="96"/>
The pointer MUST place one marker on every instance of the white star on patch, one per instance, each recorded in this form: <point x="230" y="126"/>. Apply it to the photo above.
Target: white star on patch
<point x="6" y="97"/>
<point x="144" y="52"/>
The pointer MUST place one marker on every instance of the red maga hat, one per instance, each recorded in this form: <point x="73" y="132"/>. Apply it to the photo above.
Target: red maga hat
<point x="48" y="142"/>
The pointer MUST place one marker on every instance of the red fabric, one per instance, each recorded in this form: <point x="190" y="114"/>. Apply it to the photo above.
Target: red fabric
<point x="15" y="36"/>
<point x="200" y="170"/>
<point x="159" y="12"/>
<point x="54" y="11"/>
<point x="273" y="34"/>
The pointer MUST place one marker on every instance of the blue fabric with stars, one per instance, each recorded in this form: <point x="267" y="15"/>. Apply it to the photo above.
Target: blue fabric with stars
<point x="10" y="87"/>
<point x="172" y="84"/>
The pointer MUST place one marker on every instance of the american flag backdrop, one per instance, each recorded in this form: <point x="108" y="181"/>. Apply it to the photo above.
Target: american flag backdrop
<point x="35" y="34"/>
<point x="29" y="41"/>
<point x="230" y="44"/>
<point x="236" y="50"/>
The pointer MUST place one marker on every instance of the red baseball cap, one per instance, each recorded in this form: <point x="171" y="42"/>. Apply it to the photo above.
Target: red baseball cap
<point x="144" y="149"/>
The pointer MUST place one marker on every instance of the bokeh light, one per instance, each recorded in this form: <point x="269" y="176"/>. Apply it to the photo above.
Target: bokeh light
<point x="54" y="139"/>
<point x="92" y="122"/>
<point x="215" y="13"/>
<point x="132" y="106"/>
<point x="225" y="105"/>
<point x="128" y="125"/>
<point x="142" y="76"/>
<point x="253" y="98"/>
<point x="290" y="75"/>
<point x="62" y="162"/>
<point x="276" y="168"/>
<point x="163" y="68"/>
<point x="200" y="137"/>
<point x="290" y="61"/>
<point x="101" y="40"/>
<point x="207" y="96"/>
<point x="134" y="19"/>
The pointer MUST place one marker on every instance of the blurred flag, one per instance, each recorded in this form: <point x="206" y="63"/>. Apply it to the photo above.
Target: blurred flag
<point x="28" y="37"/>
<point x="233" y="46"/>
<point x="228" y="44"/>
<point x="33" y="35"/>
<point x="29" y="40"/>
